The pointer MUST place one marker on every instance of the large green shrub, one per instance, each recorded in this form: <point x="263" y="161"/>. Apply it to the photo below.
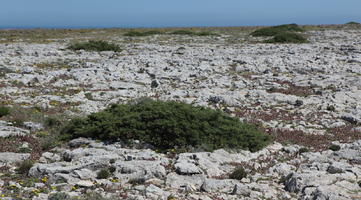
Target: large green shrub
<point x="168" y="125"/>
<point x="287" y="37"/>
<point x="93" y="45"/>
<point x="274" y="30"/>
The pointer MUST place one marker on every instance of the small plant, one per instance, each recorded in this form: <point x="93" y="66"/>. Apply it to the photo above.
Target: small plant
<point x="59" y="196"/>
<point x="335" y="147"/>
<point x="287" y="37"/>
<point x="112" y="169"/>
<point x="239" y="173"/>
<point x="24" y="167"/>
<point x="4" y="111"/>
<point x="137" y="181"/>
<point x="93" y="45"/>
<point x="103" y="174"/>
<point x="303" y="150"/>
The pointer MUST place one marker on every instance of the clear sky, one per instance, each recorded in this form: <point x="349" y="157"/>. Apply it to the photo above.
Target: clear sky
<point x="174" y="13"/>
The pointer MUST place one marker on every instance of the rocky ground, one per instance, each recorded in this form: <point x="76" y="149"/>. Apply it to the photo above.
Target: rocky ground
<point x="306" y="95"/>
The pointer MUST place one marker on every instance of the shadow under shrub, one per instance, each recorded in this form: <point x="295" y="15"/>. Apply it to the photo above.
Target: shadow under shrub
<point x="168" y="125"/>
<point x="94" y="45"/>
<point x="287" y="38"/>
<point x="274" y="30"/>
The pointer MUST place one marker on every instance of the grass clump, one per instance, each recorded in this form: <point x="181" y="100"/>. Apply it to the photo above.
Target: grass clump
<point x="142" y="34"/>
<point x="95" y="45"/>
<point x="168" y="125"/>
<point x="274" y="30"/>
<point x="4" y="111"/>
<point x="238" y="174"/>
<point x="287" y="37"/>
<point x="24" y="167"/>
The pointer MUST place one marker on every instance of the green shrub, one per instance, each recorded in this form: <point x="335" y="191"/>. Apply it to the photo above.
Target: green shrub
<point x="103" y="174"/>
<point x="59" y="196"/>
<point x="335" y="147"/>
<point x="142" y="34"/>
<point x="24" y="167"/>
<point x="168" y="125"/>
<point x="192" y="33"/>
<point x="4" y="111"/>
<point x="352" y="23"/>
<point x="303" y="150"/>
<point x="238" y="173"/>
<point x="93" y="45"/>
<point x="274" y="30"/>
<point x="287" y="37"/>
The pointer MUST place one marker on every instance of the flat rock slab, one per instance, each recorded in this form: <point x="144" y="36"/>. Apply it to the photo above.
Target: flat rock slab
<point x="10" y="157"/>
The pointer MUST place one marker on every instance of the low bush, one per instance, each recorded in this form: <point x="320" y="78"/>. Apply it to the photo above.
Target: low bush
<point x="4" y="111"/>
<point x="59" y="196"/>
<point x="274" y="30"/>
<point x="238" y="174"/>
<point x="93" y="45"/>
<point x="192" y="33"/>
<point x="352" y="23"/>
<point x="287" y="37"/>
<point x="335" y="147"/>
<point x="303" y="150"/>
<point x="103" y="174"/>
<point x="24" y="167"/>
<point x="142" y="34"/>
<point x="168" y="125"/>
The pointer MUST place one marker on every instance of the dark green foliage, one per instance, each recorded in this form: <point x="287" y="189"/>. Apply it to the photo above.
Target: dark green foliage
<point x="274" y="30"/>
<point x="112" y="169"/>
<point x="59" y="196"/>
<point x="142" y="34"/>
<point x="168" y="125"/>
<point x="335" y="147"/>
<point x="287" y="37"/>
<point x="352" y="23"/>
<point x="103" y="174"/>
<point x="93" y="45"/>
<point x="192" y="33"/>
<point x="238" y="173"/>
<point x="303" y="150"/>
<point x="4" y="111"/>
<point x="24" y="167"/>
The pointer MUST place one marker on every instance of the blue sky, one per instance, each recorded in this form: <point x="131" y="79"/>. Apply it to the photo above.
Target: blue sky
<point x="174" y="13"/>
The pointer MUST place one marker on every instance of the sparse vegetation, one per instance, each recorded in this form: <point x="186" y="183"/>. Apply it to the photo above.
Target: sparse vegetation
<point x="239" y="173"/>
<point x="287" y="38"/>
<point x="4" y="111"/>
<point x="192" y="33"/>
<point x="352" y="23"/>
<point x="303" y="150"/>
<point x="95" y="45"/>
<point x="59" y="196"/>
<point x="142" y="34"/>
<point x="155" y="122"/>
<point x="275" y="30"/>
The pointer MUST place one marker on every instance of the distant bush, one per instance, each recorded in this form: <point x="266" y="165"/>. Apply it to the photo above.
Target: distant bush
<point x="274" y="30"/>
<point x="168" y="125"/>
<point x="303" y="150"/>
<point x="4" y="111"/>
<point x="352" y="23"/>
<point x="238" y="174"/>
<point x="141" y="34"/>
<point x="192" y="33"/>
<point x="287" y="37"/>
<point x="93" y="45"/>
